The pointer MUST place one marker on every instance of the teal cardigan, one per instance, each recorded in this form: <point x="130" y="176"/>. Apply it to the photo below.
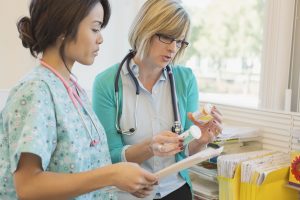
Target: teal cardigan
<point x="104" y="104"/>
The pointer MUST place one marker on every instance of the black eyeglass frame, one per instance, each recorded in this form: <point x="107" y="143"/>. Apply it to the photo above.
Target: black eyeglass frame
<point x="169" y="40"/>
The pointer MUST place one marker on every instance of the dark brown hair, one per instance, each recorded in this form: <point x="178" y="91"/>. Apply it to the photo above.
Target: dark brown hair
<point x="50" y="19"/>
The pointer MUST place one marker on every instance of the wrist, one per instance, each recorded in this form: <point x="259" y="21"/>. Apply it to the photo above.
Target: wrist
<point x="149" y="149"/>
<point x="199" y="143"/>
<point x="112" y="172"/>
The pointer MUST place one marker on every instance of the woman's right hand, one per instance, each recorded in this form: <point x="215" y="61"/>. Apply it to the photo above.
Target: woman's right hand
<point x="130" y="177"/>
<point x="166" y="143"/>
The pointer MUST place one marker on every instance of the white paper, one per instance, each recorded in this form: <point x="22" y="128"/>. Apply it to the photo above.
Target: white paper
<point x="189" y="161"/>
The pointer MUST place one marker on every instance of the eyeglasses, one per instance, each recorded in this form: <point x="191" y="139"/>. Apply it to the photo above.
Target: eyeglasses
<point x="168" y="40"/>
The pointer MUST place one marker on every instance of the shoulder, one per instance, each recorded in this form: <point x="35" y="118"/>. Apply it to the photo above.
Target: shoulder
<point x="183" y="73"/>
<point x="34" y="82"/>
<point x="29" y="92"/>
<point x="104" y="82"/>
<point x="107" y="75"/>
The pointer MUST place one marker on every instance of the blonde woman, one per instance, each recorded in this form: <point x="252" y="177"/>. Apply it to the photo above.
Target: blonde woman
<point x="144" y="101"/>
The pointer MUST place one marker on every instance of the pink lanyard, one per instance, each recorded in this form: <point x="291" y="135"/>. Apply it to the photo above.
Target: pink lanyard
<point x="72" y="94"/>
<point x="75" y="100"/>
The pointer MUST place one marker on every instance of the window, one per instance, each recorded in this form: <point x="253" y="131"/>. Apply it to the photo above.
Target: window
<point x="240" y="51"/>
<point x="225" y="51"/>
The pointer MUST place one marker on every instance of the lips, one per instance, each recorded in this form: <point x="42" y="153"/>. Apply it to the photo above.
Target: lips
<point x="96" y="52"/>
<point x="166" y="58"/>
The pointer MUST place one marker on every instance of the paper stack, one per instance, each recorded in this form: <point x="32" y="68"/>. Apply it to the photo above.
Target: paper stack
<point x="204" y="189"/>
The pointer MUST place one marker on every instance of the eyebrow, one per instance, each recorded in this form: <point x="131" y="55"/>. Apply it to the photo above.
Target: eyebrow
<point x="98" y="22"/>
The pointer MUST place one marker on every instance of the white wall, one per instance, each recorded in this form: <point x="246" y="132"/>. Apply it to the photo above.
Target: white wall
<point x="16" y="61"/>
<point x="115" y="44"/>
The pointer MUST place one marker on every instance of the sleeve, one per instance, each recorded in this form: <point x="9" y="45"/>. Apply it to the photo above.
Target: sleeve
<point x="30" y="122"/>
<point x="192" y="98"/>
<point x="104" y="106"/>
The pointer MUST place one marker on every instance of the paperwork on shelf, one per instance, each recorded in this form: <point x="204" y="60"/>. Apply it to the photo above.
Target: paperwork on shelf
<point x="227" y="164"/>
<point x="236" y="133"/>
<point x="256" y="170"/>
<point x="206" y="170"/>
<point x="189" y="161"/>
<point x="254" y="176"/>
<point x="204" y="189"/>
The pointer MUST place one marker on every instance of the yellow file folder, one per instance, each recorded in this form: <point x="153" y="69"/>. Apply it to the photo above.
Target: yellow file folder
<point x="229" y="188"/>
<point x="272" y="188"/>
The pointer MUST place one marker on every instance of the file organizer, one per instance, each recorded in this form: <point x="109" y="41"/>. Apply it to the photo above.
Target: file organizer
<point x="264" y="182"/>
<point x="229" y="188"/>
<point x="273" y="187"/>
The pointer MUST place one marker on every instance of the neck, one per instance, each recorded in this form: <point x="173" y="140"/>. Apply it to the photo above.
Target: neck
<point x="55" y="61"/>
<point x="148" y="74"/>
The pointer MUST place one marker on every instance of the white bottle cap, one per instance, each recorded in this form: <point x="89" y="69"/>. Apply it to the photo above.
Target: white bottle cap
<point x="194" y="132"/>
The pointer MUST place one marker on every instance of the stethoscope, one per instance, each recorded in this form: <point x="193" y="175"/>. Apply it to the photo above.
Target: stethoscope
<point x="74" y="96"/>
<point x="176" y="128"/>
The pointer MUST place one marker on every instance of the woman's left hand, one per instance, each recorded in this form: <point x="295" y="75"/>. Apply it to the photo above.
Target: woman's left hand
<point x="211" y="129"/>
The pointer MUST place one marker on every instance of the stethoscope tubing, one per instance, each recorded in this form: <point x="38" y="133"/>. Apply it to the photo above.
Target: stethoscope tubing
<point x="177" y="123"/>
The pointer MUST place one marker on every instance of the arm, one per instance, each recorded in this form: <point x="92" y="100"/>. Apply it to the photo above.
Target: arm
<point x="32" y="182"/>
<point x="208" y="130"/>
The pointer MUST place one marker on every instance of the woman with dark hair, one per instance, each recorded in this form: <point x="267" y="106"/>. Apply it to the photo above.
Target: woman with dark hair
<point x="52" y="145"/>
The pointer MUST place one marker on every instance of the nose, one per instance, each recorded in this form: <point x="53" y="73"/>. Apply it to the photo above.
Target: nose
<point x="172" y="46"/>
<point x="99" y="38"/>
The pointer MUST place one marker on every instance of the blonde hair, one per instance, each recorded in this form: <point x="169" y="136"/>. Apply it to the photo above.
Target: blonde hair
<point x="158" y="16"/>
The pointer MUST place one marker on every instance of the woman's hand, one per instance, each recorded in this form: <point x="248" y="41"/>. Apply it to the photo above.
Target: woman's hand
<point x="142" y="193"/>
<point x="211" y="129"/>
<point x="166" y="143"/>
<point x="130" y="177"/>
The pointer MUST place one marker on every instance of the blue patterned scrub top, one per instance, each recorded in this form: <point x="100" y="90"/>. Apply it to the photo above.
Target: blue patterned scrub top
<point x="40" y="118"/>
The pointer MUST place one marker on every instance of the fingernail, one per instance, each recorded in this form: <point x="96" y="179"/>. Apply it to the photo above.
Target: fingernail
<point x="181" y="148"/>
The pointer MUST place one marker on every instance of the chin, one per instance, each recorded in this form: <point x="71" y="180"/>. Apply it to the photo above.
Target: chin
<point x="86" y="62"/>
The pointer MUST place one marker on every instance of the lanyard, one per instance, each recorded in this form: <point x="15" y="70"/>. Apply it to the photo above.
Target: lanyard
<point x="75" y="100"/>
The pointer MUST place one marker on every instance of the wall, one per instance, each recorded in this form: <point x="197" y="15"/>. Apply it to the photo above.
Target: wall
<point x="16" y="60"/>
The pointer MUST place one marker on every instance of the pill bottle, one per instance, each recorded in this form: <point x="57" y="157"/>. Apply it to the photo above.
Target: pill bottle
<point x="194" y="132"/>
<point x="203" y="115"/>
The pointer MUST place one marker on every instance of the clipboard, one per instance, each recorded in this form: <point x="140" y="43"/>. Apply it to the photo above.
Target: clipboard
<point x="189" y="161"/>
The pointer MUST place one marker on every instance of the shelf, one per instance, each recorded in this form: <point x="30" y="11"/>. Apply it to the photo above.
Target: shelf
<point x="293" y="187"/>
<point x="207" y="174"/>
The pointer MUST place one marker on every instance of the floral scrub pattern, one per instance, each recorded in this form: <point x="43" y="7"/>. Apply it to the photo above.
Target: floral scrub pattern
<point x="40" y="118"/>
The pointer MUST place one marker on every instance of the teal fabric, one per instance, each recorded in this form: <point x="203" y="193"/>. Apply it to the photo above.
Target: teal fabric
<point x="39" y="118"/>
<point x="104" y="105"/>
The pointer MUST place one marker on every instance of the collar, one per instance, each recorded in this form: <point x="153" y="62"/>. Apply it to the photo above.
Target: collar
<point x="135" y="69"/>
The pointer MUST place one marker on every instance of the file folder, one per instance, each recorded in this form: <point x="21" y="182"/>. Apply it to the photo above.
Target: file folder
<point x="229" y="188"/>
<point x="274" y="187"/>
